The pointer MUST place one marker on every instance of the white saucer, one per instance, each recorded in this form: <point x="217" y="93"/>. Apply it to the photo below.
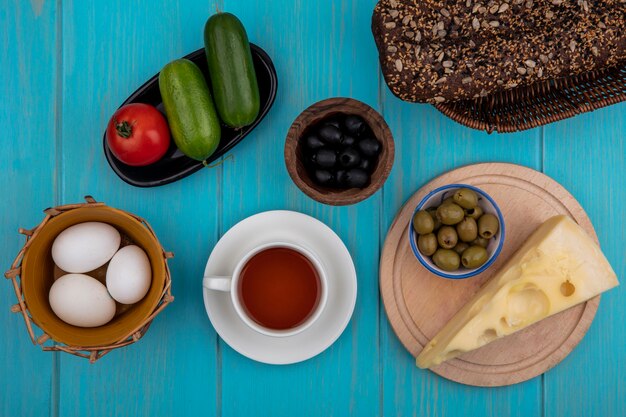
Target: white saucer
<point x="291" y="227"/>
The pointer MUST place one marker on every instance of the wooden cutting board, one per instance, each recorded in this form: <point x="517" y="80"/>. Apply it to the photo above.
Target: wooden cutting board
<point x="419" y="303"/>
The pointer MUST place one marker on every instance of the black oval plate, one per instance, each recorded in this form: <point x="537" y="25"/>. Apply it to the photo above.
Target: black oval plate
<point x="175" y="165"/>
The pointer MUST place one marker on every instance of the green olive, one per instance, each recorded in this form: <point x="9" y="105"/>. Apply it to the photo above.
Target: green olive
<point x="423" y="223"/>
<point x="447" y="259"/>
<point x="447" y="200"/>
<point x="488" y="226"/>
<point x="433" y="213"/>
<point x="474" y="256"/>
<point x="447" y="237"/>
<point x="427" y="244"/>
<point x="450" y="213"/>
<point x="460" y="247"/>
<point x="467" y="229"/>
<point x="466" y="198"/>
<point x="474" y="212"/>
<point x="482" y="242"/>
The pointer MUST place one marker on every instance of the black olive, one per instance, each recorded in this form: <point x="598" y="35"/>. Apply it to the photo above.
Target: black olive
<point x="349" y="158"/>
<point x="366" y="165"/>
<point x="311" y="159"/>
<point x="348" y="140"/>
<point x="333" y="121"/>
<point x="323" y="177"/>
<point x="356" y="178"/>
<point x="330" y="134"/>
<point x="312" y="142"/>
<point x="324" y="158"/>
<point x="340" y="177"/>
<point x="354" y="124"/>
<point x="367" y="132"/>
<point x="369" y="147"/>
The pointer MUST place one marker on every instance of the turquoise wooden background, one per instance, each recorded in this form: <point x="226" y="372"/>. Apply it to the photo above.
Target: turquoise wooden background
<point x="65" y="66"/>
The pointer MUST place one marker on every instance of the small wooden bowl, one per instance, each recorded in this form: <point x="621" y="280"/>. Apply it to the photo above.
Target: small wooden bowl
<point x="313" y="115"/>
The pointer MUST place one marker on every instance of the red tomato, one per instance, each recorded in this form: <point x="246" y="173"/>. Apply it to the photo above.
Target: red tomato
<point x="138" y="134"/>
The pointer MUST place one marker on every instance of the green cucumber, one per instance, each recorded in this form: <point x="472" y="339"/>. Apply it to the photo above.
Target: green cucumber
<point x="231" y="70"/>
<point x="189" y="109"/>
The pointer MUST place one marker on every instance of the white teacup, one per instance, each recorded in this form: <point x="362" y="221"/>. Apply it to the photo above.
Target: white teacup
<point x="231" y="284"/>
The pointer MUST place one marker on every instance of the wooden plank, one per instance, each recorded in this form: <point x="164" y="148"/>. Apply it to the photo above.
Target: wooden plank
<point x="28" y="70"/>
<point x="316" y="49"/>
<point x="586" y="155"/>
<point x="321" y="49"/>
<point x="110" y="49"/>
<point x="427" y="145"/>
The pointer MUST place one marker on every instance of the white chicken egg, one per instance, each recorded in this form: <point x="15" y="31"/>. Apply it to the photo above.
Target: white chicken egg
<point x="85" y="246"/>
<point x="81" y="300"/>
<point x="129" y="275"/>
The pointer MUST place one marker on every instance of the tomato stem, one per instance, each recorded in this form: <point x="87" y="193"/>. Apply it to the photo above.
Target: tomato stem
<point x="124" y="129"/>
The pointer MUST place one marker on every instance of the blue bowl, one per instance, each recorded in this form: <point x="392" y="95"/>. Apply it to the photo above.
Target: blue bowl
<point x="434" y="199"/>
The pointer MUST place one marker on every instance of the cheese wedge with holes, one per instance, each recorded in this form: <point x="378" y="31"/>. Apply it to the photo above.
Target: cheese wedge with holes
<point x="558" y="267"/>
